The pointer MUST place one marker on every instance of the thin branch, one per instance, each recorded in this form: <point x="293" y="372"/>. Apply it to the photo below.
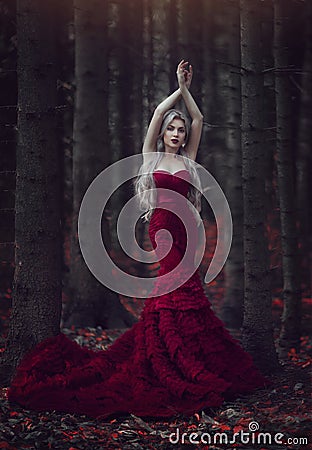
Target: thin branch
<point x="286" y="69"/>
<point x="211" y="125"/>
<point x="62" y="107"/>
<point x="296" y="84"/>
<point x="7" y="70"/>
<point x="8" y="106"/>
<point x="58" y="107"/>
<point x="235" y="66"/>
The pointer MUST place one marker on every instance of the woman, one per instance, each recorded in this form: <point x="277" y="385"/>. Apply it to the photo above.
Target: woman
<point x="169" y="149"/>
<point x="178" y="358"/>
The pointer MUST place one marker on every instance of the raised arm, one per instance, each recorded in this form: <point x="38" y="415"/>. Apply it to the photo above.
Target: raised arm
<point x="156" y="121"/>
<point x="184" y="76"/>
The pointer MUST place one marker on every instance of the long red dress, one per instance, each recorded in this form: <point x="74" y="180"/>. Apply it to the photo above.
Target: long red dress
<point x="178" y="358"/>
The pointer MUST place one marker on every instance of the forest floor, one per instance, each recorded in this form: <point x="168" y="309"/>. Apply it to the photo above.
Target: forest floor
<point x="284" y="408"/>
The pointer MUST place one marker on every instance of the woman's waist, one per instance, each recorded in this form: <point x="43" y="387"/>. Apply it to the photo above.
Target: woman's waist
<point x="180" y="202"/>
<point x="173" y="212"/>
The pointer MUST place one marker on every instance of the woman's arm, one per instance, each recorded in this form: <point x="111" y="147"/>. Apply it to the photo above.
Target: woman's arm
<point x="156" y="121"/>
<point x="183" y="76"/>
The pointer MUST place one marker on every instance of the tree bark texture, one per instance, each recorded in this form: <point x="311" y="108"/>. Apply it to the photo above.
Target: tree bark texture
<point x="232" y="311"/>
<point x="257" y="333"/>
<point x="91" y="303"/>
<point x="291" y="318"/>
<point x="304" y="161"/>
<point x="36" y="307"/>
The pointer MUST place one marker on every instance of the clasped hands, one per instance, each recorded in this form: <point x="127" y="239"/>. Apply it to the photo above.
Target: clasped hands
<point x="184" y="75"/>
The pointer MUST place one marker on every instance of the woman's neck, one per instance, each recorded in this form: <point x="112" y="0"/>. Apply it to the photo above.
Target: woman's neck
<point x="170" y="154"/>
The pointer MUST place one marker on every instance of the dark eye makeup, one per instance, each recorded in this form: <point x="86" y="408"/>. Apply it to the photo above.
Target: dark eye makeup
<point x="170" y="128"/>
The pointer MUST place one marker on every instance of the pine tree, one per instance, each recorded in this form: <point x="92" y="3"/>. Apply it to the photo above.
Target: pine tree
<point x="232" y="310"/>
<point x="291" y="319"/>
<point x="36" y="307"/>
<point x="257" y="332"/>
<point x="91" y="303"/>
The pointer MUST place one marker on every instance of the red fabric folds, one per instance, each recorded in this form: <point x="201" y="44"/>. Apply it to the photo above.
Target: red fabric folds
<point x="178" y="358"/>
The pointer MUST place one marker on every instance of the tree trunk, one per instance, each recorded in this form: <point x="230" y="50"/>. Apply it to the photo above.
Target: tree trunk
<point x="160" y="56"/>
<point x="269" y="103"/>
<point x="174" y="55"/>
<point x="269" y="142"/>
<point x="220" y="91"/>
<point x="65" y="50"/>
<point x="257" y="333"/>
<point x="291" y="318"/>
<point x="136" y="127"/>
<point x="115" y="110"/>
<point x="207" y="83"/>
<point x="304" y="160"/>
<point x="92" y="304"/>
<point x="148" y="80"/>
<point x="232" y="310"/>
<point x="190" y="38"/>
<point x="8" y="119"/>
<point x="36" y="308"/>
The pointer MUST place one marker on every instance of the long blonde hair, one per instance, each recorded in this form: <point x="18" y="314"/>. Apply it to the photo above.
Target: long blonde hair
<point x="145" y="181"/>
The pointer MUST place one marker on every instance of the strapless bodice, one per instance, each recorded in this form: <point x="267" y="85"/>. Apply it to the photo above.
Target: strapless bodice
<point x="172" y="182"/>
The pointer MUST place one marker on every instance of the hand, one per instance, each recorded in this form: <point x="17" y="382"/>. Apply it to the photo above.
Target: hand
<point x="184" y="76"/>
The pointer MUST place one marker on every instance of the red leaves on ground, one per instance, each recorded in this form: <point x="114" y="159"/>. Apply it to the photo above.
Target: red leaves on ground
<point x="281" y="408"/>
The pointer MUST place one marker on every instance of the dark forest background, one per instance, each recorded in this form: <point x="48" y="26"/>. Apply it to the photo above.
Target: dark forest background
<point x="79" y="83"/>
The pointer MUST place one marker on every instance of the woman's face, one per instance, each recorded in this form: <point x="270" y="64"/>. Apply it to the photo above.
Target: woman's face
<point x="174" y="135"/>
